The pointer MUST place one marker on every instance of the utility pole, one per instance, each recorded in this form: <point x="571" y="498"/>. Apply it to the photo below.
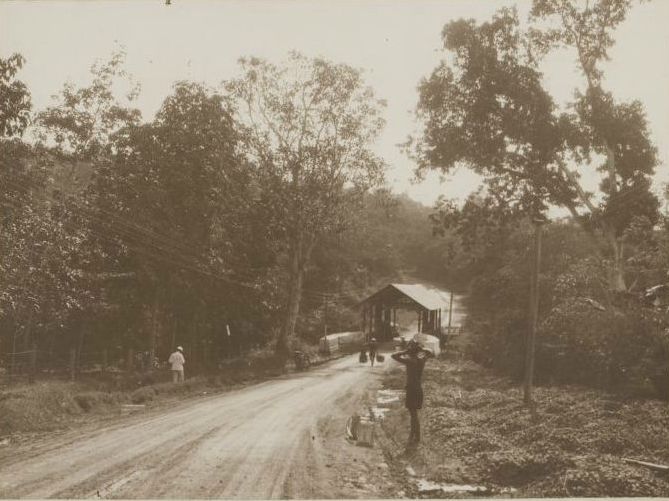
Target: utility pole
<point x="450" y="313"/>
<point x="534" y="309"/>
<point x="325" y="316"/>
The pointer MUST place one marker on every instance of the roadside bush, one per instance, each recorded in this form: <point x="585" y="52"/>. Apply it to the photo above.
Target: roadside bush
<point x="265" y="362"/>
<point x="616" y="348"/>
<point x="142" y="395"/>
<point x="586" y="335"/>
<point x="87" y="401"/>
<point x="42" y="406"/>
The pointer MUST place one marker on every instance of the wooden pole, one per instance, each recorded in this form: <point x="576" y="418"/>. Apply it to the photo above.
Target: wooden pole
<point x="450" y="313"/>
<point x="325" y="317"/>
<point x="153" y="341"/>
<point x="534" y="309"/>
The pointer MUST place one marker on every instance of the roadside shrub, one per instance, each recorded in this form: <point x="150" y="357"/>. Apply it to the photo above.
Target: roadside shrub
<point x="37" y="407"/>
<point x="264" y="361"/>
<point x="615" y="348"/>
<point x="87" y="401"/>
<point x="586" y="335"/>
<point x="142" y="395"/>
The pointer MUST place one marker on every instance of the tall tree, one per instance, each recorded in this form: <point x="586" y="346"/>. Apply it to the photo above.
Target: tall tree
<point x="174" y="198"/>
<point x="40" y="272"/>
<point x="15" y="102"/>
<point x="83" y="120"/>
<point x="485" y="107"/>
<point x="616" y="131"/>
<point x="309" y="127"/>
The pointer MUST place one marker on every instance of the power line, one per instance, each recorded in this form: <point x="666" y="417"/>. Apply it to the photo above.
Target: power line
<point x="165" y="253"/>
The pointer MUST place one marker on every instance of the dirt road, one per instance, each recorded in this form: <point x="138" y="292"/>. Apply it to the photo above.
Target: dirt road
<point x="282" y="438"/>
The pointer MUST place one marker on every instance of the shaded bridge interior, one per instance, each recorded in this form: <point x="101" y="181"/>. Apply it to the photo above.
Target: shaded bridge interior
<point x="379" y="311"/>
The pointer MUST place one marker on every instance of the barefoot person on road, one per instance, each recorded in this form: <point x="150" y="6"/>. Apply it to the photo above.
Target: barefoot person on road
<point x="414" y="357"/>
<point x="373" y="347"/>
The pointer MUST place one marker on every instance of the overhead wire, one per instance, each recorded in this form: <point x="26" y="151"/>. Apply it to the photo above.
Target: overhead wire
<point x="158" y="245"/>
<point x="165" y="253"/>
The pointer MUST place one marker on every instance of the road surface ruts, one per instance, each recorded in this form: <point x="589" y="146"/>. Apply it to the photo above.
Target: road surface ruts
<point x="258" y="442"/>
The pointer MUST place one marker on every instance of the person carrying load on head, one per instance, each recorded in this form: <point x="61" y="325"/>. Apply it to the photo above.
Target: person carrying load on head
<point x="177" y="361"/>
<point x="414" y="358"/>
<point x="372" y="348"/>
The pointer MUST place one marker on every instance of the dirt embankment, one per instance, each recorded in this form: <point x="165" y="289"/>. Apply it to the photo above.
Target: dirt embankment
<point x="477" y="432"/>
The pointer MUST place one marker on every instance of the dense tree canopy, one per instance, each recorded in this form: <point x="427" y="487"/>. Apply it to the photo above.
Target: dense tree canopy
<point x="485" y="107"/>
<point x="309" y="125"/>
<point x="14" y="98"/>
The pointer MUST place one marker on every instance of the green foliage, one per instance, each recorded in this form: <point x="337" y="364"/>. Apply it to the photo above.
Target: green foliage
<point x="485" y="107"/>
<point x="143" y="395"/>
<point x="612" y="348"/>
<point x="84" y="121"/>
<point x="584" y="335"/>
<point x="43" y="271"/>
<point x="308" y="129"/>
<point x="15" y="102"/>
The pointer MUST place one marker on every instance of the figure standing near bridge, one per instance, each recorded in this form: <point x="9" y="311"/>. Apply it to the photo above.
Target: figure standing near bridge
<point x="373" y="347"/>
<point x="414" y="357"/>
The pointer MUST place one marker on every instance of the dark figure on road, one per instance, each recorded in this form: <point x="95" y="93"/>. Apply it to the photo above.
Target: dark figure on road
<point x="372" y="351"/>
<point x="414" y="357"/>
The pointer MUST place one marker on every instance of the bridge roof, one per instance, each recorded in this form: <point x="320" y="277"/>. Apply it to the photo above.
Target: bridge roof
<point x="425" y="296"/>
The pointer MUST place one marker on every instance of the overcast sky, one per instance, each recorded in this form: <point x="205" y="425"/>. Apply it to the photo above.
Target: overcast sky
<point x="396" y="43"/>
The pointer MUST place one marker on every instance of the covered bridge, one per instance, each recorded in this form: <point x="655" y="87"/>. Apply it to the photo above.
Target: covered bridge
<point x="379" y="311"/>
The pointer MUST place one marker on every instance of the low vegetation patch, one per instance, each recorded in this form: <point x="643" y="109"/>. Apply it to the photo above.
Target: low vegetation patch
<point x="40" y="407"/>
<point x="477" y="431"/>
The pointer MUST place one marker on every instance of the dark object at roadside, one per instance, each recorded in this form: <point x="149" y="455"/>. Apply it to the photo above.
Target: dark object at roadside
<point x="302" y="361"/>
<point x="380" y="358"/>
<point x="363" y="357"/>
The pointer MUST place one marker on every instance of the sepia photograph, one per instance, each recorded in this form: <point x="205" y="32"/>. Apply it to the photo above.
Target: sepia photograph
<point x="334" y="249"/>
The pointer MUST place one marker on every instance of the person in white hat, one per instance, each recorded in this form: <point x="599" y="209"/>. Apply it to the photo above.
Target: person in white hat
<point x="177" y="360"/>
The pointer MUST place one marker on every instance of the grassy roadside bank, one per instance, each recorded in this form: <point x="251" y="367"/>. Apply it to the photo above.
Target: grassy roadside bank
<point x="55" y="405"/>
<point x="476" y="432"/>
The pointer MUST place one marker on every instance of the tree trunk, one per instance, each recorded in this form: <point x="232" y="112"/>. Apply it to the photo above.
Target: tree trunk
<point x="618" y="268"/>
<point x="296" y="278"/>
<point x="155" y="312"/>
<point x="300" y="252"/>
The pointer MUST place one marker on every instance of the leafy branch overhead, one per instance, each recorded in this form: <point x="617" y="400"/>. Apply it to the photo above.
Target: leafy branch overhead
<point x="485" y="107"/>
<point x="308" y="127"/>
<point x="84" y="120"/>
<point x="15" y="103"/>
